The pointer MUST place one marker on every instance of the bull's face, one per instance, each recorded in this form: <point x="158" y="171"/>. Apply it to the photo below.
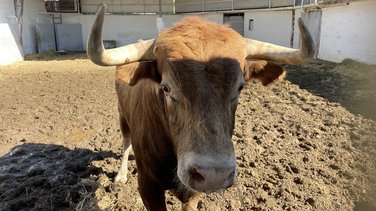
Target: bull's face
<point x="201" y="79"/>
<point x="200" y="69"/>
<point x="200" y="104"/>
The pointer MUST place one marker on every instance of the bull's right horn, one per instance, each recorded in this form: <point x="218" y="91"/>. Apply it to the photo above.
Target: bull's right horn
<point x="117" y="56"/>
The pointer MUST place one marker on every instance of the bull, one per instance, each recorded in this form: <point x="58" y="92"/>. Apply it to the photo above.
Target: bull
<point x="177" y="97"/>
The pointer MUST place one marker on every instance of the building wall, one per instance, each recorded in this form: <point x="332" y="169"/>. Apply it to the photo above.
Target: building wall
<point x="269" y="26"/>
<point x="296" y="42"/>
<point x="127" y="6"/>
<point x="124" y="29"/>
<point x="349" y="32"/>
<point x="10" y="39"/>
<point x="346" y="31"/>
<point x="30" y="19"/>
<point x="214" y="17"/>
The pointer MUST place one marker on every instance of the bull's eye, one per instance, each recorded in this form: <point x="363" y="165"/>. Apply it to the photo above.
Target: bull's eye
<point x="168" y="93"/>
<point x="166" y="89"/>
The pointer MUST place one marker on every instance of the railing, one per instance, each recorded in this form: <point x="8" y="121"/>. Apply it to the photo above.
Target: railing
<point x="143" y="7"/>
<point x="192" y="6"/>
<point x="187" y="6"/>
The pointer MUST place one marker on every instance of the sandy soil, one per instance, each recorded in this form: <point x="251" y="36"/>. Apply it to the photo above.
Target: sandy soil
<point x="61" y="143"/>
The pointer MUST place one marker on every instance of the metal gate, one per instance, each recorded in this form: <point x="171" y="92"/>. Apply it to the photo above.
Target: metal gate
<point x="236" y="21"/>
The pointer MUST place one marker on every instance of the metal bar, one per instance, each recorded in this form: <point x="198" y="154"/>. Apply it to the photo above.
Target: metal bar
<point x="78" y="7"/>
<point x="160" y="8"/>
<point x="292" y="29"/>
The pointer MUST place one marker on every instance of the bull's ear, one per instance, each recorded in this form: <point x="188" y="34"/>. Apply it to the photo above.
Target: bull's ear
<point x="133" y="72"/>
<point x="265" y="71"/>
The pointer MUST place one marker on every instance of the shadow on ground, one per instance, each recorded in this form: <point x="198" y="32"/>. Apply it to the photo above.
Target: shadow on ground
<point x="46" y="177"/>
<point x="51" y="55"/>
<point x="349" y="83"/>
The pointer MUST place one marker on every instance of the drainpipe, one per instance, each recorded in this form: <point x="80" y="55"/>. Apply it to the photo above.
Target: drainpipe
<point x="160" y="23"/>
<point x="160" y="8"/>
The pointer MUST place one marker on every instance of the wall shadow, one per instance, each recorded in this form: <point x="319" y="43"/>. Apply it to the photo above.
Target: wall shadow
<point x="349" y="83"/>
<point x="49" y="177"/>
<point x="52" y="55"/>
<point x="15" y="30"/>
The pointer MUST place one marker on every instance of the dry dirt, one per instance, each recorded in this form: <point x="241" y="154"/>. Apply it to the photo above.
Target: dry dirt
<point x="296" y="149"/>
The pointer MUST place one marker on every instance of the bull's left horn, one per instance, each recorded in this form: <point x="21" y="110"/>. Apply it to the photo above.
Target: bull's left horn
<point x="262" y="50"/>
<point x="117" y="56"/>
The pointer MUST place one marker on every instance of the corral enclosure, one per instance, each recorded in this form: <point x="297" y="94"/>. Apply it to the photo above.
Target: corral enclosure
<point x="341" y="29"/>
<point x="306" y="143"/>
<point x="61" y="143"/>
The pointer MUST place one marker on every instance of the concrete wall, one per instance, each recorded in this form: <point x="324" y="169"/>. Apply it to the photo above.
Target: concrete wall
<point x="296" y="42"/>
<point x="346" y="31"/>
<point x="124" y="29"/>
<point x="30" y="19"/>
<point x="214" y="17"/>
<point x="349" y="32"/>
<point x="269" y="26"/>
<point x="127" y="6"/>
<point x="10" y="39"/>
<point x="312" y="19"/>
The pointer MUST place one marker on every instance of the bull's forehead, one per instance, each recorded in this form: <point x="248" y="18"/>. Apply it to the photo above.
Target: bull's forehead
<point x="214" y="80"/>
<point x="196" y="39"/>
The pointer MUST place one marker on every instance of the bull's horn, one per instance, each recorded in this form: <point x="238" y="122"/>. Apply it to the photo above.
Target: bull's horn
<point x="262" y="50"/>
<point x="117" y="56"/>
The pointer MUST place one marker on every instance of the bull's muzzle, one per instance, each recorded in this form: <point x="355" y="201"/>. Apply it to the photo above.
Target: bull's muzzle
<point x="209" y="179"/>
<point x="205" y="174"/>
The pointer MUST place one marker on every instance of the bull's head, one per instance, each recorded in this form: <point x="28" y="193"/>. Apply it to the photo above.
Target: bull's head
<point x="201" y="68"/>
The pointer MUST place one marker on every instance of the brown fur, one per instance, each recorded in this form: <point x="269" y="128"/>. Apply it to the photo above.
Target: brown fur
<point x="266" y="72"/>
<point x="203" y="64"/>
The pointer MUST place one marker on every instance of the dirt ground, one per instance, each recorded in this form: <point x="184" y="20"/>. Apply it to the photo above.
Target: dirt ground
<point x="308" y="148"/>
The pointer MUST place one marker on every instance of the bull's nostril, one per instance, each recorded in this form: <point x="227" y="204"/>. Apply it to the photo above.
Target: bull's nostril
<point x="232" y="175"/>
<point x="195" y="175"/>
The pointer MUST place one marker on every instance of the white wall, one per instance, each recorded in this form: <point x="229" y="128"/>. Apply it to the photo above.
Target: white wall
<point x="127" y="29"/>
<point x="269" y="26"/>
<point x="296" y="42"/>
<point x="30" y="19"/>
<point x="346" y="31"/>
<point x="349" y="32"/>
<point x="10" y="39"/>
<point x="124" y="29"/>
<point x="214" y="17"/>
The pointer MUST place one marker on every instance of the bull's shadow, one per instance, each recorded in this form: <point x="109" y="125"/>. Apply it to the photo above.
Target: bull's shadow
<point x="49" y="177"/>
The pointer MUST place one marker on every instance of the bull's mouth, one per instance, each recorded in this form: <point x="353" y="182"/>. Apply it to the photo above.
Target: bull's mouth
<point x="201" y="174"/>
